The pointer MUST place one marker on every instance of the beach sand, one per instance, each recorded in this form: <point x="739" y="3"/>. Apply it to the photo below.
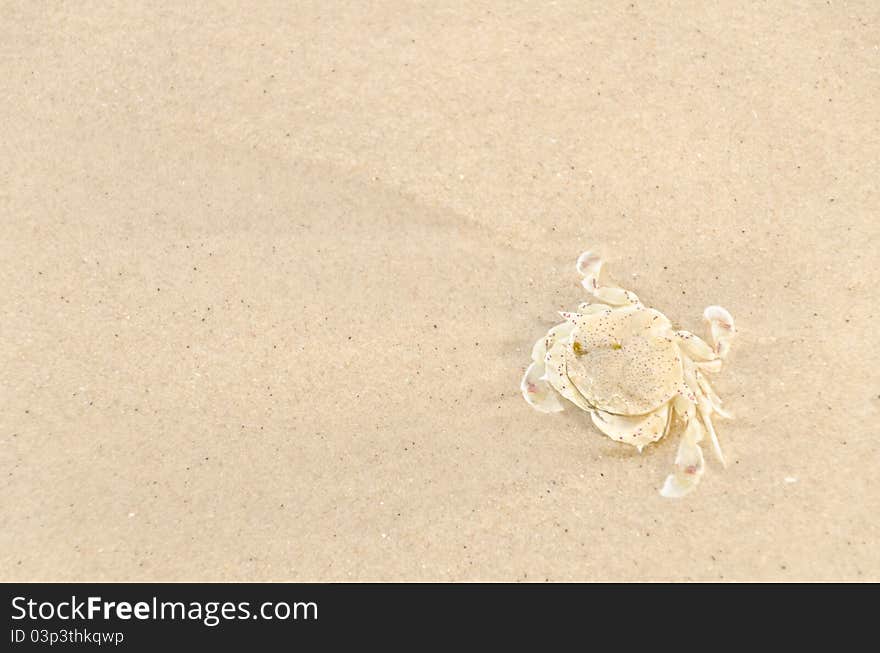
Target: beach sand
<point x="271" y="275"/>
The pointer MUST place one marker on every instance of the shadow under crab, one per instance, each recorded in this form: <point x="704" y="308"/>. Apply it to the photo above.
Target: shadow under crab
<point x="627" y="366"/>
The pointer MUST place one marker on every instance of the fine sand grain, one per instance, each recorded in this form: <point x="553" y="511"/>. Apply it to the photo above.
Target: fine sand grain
<point x="270" y="275"/>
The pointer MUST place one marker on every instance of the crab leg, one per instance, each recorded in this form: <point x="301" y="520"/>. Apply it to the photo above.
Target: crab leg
<point x="589" y="265"/>
<point x="689" y="463"/>
<point x="704" y="356"/>
<point x="704" y="403"/>
<point x="705" y="409"/>
<point x="714" y="398"/>
<point x="694" y="346"/>
<point x="588" y="308"/>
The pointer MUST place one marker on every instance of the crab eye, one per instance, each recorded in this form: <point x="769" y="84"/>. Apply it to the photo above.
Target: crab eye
<point x="578" y="348"/>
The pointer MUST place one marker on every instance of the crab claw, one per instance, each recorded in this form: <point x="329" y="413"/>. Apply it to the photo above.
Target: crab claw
<point x="588" y="265"/>
<point x="722" y="328"/>
<point x="537" y="392"/>
<point x="535" y="387"/>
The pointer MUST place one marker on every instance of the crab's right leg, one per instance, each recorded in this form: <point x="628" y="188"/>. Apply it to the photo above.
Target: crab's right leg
<point x="589" y="265"/>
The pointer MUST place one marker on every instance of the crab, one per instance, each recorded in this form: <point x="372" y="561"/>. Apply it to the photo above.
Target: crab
<point x="627" y="366"/>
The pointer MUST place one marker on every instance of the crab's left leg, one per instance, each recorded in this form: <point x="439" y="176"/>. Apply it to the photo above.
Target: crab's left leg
<point x="589" y="265"/>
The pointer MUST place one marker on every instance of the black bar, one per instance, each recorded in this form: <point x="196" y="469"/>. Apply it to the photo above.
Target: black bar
<point x="146" y="616"/>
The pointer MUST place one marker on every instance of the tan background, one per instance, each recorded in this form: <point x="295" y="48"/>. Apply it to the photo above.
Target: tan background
<point x="271" y="273"/>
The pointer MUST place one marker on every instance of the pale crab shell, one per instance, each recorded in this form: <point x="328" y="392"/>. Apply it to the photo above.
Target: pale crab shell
<point x="624" y="361"/>
<point x="627" y="366"/>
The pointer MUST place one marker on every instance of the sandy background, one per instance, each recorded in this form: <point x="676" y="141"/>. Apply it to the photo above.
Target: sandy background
<point x="270" y="276"/>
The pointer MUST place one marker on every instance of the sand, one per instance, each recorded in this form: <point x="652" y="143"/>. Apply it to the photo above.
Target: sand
<point x="271" y="274"/>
